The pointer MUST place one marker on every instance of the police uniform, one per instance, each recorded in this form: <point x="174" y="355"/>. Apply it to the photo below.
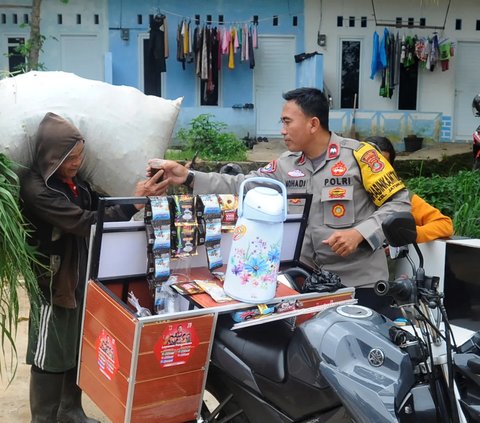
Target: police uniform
<point x="353" y="187"/>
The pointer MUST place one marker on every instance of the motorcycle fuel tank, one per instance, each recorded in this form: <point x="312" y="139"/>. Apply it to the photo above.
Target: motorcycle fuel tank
<point x="351" y="346"/>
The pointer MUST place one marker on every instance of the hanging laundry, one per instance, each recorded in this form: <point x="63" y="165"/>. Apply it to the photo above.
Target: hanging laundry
<point x="236" y="43"/>
<point x="376" y="62"/>
<point x="158" y="42"/>
<point x="445" y="48"/>
<point x="180" y="52"/>
<point x="250" y="49"/>
<point x="197" y="49"/>
<point x="255" y="36"/>
<point x="231" y="58"/>
<point x="204" y="64"/>
<point x="226" y="41"/>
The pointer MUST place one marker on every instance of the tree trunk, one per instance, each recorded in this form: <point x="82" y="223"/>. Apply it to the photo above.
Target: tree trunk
<point x="36" y="40"/>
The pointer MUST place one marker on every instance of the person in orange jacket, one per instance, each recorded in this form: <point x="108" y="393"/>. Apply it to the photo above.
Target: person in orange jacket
<point x="431" y="223"/>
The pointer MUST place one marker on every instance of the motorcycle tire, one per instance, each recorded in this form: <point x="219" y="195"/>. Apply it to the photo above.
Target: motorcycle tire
<point x="229" y="412"/>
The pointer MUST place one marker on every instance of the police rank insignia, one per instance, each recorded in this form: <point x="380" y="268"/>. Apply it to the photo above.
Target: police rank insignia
<point x="371" y="159"/>
<point x="333" y="151"/>
<point x="338" y="210"/>
<point x="269" y="168"/>
<point x="339" y="169"/>
<point x="337" y="192"/>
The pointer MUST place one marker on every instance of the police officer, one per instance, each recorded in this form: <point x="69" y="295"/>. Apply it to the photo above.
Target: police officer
<point x="354" y="189"/>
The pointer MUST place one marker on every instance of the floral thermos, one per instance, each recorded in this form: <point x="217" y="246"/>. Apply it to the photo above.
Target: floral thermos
<point x="254" y="258"/>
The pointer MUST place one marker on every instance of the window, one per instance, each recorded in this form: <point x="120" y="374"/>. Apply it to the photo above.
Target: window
<point x="16" y="61"/>
<point x="350" y="71"/>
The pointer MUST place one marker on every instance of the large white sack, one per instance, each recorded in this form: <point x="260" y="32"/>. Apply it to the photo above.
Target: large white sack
<point x="123" y="127"/>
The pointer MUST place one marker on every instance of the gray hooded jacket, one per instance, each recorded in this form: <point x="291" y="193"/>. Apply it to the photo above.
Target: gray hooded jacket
<point x="61" y="221"/>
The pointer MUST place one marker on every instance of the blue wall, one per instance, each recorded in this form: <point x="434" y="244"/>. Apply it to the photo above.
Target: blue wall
<point x="236" y="84"/>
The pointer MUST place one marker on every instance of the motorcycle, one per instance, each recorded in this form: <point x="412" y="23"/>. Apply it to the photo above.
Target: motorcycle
<point x="349" y="363"/>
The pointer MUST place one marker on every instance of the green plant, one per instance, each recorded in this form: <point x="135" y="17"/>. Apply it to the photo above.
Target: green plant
<point x="16" y="259"/>
<point x="457" y="196"/>
<point x="207" y="137"/>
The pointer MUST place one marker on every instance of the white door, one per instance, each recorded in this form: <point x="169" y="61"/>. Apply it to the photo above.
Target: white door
<point x="467" y="85"/>
<point x="273" y="75"/>
<point x="83" y="56"/>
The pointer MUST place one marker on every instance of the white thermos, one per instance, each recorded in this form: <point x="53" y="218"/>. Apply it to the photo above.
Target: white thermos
<point x="254" y="258"/>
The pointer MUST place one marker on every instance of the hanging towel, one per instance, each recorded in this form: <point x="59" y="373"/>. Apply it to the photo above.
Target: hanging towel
<point x="376" y="63"/>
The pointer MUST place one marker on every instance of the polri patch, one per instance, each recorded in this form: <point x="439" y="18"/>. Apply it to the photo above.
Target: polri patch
<point x="297" y="173"/>
<point x="269" y="168"/>
<point x="338" y="210"/>
<point x="339" y="169"/>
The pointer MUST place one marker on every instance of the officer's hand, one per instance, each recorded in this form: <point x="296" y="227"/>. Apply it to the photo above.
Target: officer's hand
<point x="344" y="242"/>
<point x="173" y="171"/>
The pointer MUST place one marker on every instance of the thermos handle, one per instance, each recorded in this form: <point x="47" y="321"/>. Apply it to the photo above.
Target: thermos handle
<point x="267" y="181"/>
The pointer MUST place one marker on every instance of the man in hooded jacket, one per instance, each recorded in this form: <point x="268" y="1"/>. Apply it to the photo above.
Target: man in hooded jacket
<point x="61" y="209"/>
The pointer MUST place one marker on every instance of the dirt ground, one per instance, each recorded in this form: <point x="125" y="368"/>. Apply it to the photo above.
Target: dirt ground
<point x="14" y="405"/>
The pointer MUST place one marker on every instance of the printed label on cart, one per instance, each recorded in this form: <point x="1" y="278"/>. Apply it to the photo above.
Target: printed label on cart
<point x="107" y="355"/>
<point x="176" y="344"/>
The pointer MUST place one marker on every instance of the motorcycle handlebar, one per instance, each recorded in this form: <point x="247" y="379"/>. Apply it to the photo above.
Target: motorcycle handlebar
<point x="401" y="289"/>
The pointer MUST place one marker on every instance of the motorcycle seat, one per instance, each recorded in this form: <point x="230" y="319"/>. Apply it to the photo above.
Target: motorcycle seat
<point x="262" y="347"/>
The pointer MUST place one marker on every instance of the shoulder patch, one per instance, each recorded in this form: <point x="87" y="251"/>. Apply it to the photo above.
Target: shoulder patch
<point x="269" y="168"/>
<point x="379" y="178"/>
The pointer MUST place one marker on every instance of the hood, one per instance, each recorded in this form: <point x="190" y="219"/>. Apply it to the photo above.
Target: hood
<point x="56" y="137"/>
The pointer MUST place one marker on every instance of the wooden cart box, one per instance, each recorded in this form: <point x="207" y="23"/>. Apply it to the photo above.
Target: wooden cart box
<point x="131" y="367"/>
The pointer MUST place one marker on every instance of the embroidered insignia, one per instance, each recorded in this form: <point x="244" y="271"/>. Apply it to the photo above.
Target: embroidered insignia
<point x="333" y="151"/>
<point x="339" y="169"/>
<point x="338" y="210"/>
<point x="297" y="173"/>
<point x="337" y="192"/>
<point x="371" y="159"/>
<point x="269" y="168"/>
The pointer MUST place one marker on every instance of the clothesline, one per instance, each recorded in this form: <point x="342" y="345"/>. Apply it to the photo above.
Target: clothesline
<point x="217" y="22"/>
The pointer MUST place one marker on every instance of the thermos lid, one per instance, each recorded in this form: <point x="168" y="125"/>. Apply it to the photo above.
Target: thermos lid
<point x="264" y="204"/>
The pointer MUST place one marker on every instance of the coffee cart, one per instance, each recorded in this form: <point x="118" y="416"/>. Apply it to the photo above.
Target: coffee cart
<point x="129" y="365"/>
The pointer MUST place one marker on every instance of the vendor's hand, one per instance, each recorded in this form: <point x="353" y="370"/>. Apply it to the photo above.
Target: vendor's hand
<point x="154" y="186"/>
<point x="174" y="172"/>
<point x="344" y="242"/>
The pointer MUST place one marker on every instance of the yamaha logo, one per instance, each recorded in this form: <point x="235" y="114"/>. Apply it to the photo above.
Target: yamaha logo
<point x="376" y="357"/>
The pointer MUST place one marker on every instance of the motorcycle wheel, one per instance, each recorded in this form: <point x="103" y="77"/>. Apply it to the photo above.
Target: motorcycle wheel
<point x="220" y="407"/>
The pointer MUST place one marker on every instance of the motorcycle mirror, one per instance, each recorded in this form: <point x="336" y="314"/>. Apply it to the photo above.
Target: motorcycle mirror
<point x="400" y="229"/>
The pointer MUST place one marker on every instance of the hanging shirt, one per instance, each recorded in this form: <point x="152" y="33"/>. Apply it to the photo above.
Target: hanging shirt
<point x="204" y="65"/>
<point x="231" y="59"/>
